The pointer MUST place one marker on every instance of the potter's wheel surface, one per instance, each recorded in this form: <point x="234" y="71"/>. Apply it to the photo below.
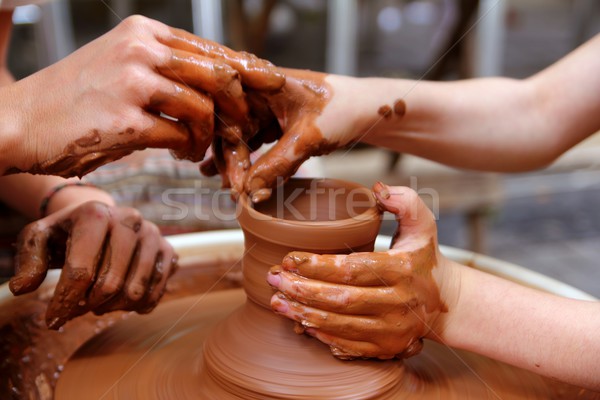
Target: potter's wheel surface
<point x="159" y="356"/>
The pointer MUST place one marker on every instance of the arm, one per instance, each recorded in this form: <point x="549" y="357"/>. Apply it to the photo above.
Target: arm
<point x="25" y="192"/>
<point x="383" y="304"/>
<point x="487" y="124"/>
<point x="537" y="331"/>
<point x="111" y="258"/>
<point x="110" y="98"/>
<point x="495" y="124"/>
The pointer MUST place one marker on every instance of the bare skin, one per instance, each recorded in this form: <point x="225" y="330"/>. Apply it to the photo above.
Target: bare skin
<point x="382" y="304"/>
<point x="493" y="124"/>
<point x="52" y="242"/>
<point x="111" y="259"/>
<point x="105" y="100"/>
<point x="286" y="115"/>
<point x="366" y="305"/>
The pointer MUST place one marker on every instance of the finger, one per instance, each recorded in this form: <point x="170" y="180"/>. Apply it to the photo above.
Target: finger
<point x="219" y="160"/>
<point x="165" y="266"/>
<point x="162" y="264"/>
<point x="142" y="266"/>
<point x="192" y="108"/>
<point x="159" y="133"/>
<point x="256" y="73"/>
<point x="237" y="163"/>
<point x="208" y="167"/>
<point x="31" y="260"/>
<point x="357" y="269"/>
<point x="346" y="349"/>
<point x="163" y="133"/>
<point x="118" y="254"/>
<point x="230" y="130"/>
<point x="351" y="327"/>
<point x="211" y="76"/>
<point x="88" y="227"/>
<point x="415" y="221"/>
<point x="337" y="298"/>
<point x="153" y="291"/>
<point x="283" y="160"/>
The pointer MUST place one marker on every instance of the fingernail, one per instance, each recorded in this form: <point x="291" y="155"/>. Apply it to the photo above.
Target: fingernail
<point x="381" y="190"/>
<point x="308" y="325"/>
<point x="261" y="195"/>
<point x="275" y="269"/>
<point x="293" y="260"/>
<point x="279" y="305"/>
<point x="274" y="279"/>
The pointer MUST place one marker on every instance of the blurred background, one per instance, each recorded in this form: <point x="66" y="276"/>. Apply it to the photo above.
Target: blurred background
<point x="546" y="221"/>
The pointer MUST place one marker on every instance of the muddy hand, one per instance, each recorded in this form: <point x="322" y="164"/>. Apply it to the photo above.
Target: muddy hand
<point x="367" y="305"/>
<point x="111" y="259"/>
<point x="143" y="84"/>
<point x="287" y="115"/>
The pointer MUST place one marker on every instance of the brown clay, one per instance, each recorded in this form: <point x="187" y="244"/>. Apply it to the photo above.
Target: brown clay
<point x="188" y="349"/>
<point x="362" y="305"/>
<point x="385" y="111"/>
<point x="400" y="107"/>
<point x="296" y="105"/>
<point x="159" y="357"/>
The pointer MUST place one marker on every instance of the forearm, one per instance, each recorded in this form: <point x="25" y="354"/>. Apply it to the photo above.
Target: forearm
<point x="24" y="193"/>
<point x="537" y="331"/>
<point x="486" y="124"/>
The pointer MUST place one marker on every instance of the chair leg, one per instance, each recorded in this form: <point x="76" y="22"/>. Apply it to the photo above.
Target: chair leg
<point x="477" y="225"/>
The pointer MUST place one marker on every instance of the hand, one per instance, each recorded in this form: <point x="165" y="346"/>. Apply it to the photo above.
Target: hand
<point x="110" y="98"/>
<point x="290" y="117"/>
<point x="111" y="259"/>
<point x="367" y="305"/>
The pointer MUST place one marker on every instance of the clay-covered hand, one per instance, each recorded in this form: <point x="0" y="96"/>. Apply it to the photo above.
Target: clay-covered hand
<point x="290" y="119"/>
<point x="143" y="84"/>
<point x="111" y="259"/>
<point x="288" y="116"/>
<point x="363" y="305"/>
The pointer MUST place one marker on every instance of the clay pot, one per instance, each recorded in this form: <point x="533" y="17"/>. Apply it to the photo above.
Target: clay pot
<point x="255" y="353"/>
<point x="314" y="215"/>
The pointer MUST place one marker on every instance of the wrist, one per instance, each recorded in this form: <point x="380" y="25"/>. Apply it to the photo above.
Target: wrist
<point x="11" y="130"/>
<point x="72" y="194"/>
<point x="448" y="276"/>
<point x="368" y="107"/>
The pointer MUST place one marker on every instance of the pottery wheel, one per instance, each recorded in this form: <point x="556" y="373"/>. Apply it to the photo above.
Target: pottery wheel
<point x="159" y="356"/>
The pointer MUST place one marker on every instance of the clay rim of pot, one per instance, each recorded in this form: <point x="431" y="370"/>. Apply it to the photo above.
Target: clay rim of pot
<point x="353" y="229"/>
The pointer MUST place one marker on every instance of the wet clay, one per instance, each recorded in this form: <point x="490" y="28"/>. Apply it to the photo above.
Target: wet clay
<point x="190" y="348"/>
<point x="397" y="296"/>
<point x="250" y="354"/>
<point x="33" y="357"/>
<point x="88" y="266"/>
<point x="206" y="81"/>
<point x="400" y="107"/>
<point x="159" y="356"/>
<point x="294" y="109"/>
<point x="385" y="111"/>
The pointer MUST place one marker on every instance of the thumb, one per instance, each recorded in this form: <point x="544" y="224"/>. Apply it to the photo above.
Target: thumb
<point x="415" y="220"/>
